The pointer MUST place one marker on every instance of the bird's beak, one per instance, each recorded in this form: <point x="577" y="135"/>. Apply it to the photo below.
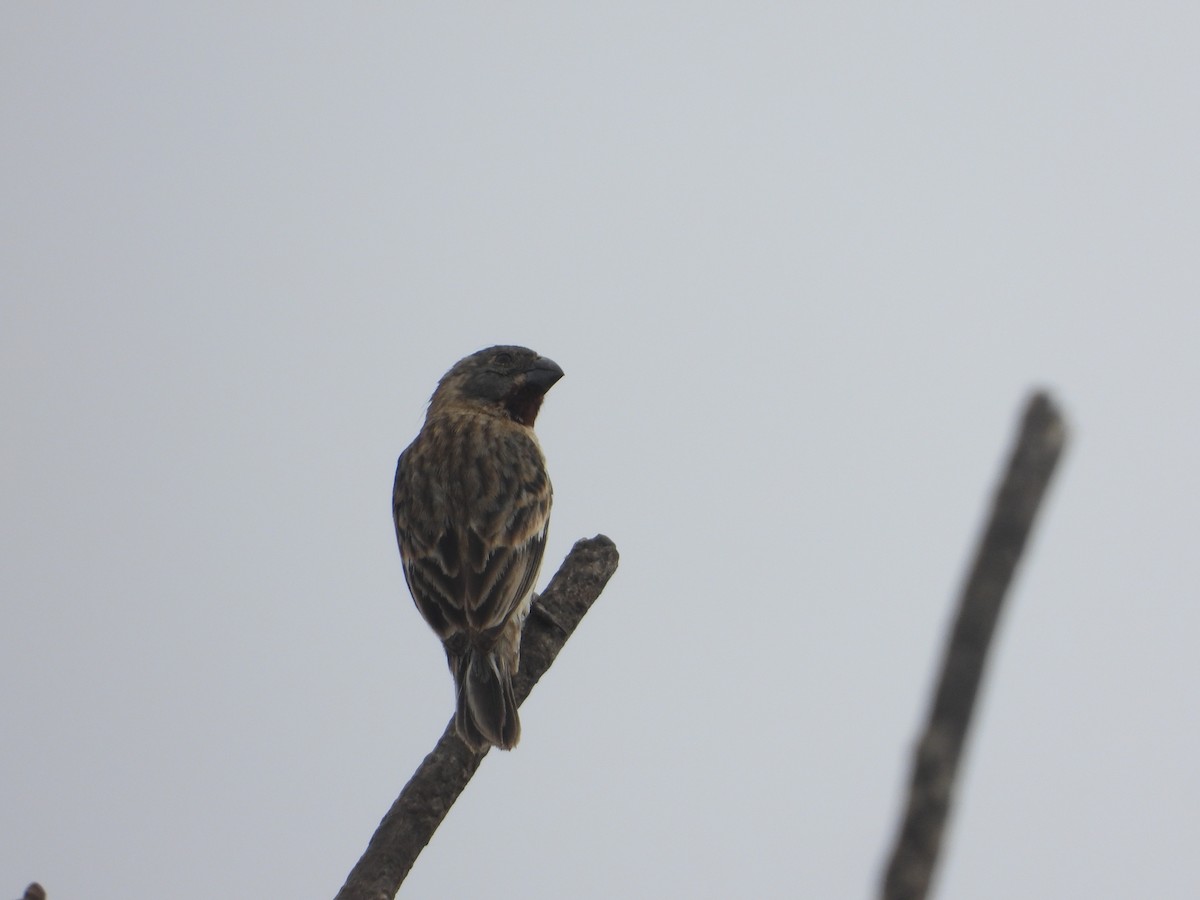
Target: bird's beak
<point x="543" y="374"/>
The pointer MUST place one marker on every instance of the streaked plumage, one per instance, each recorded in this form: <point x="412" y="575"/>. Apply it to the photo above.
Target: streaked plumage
<point x="472" y="507"/>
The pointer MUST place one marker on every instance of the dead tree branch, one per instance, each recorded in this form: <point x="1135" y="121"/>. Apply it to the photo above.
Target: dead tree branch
<point x="432" y="790"/>
<point x="1037" y="449"/>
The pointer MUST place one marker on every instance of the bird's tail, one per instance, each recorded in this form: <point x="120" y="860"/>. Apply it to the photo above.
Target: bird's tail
<point x="486" y="711"/>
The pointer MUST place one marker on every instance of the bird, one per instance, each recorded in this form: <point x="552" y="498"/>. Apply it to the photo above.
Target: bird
<point x="471" y="504"/>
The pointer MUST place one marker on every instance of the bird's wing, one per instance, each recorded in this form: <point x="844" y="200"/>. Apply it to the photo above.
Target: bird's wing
<point x="471" y="577"/>
<point x="476" y="591"/>
<point x="499" y="581"/>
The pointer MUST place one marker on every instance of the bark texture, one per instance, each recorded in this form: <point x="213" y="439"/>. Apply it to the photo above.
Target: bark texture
<point x="1036" y="452"/>
<point x="432" y="790"/>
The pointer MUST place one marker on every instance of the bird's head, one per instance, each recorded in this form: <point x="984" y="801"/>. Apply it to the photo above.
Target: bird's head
<point x="500" y="380"/>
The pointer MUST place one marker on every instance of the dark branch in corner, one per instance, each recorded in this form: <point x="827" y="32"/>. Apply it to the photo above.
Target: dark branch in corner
<point x="1038" y="446"/>
<point x="432" y="790"/>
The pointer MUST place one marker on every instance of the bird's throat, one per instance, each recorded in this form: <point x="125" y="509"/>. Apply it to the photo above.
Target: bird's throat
<point x="523" y="405"/>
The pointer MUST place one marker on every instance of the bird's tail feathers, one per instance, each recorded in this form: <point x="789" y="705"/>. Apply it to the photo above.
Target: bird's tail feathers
<point x="486" y="711"/>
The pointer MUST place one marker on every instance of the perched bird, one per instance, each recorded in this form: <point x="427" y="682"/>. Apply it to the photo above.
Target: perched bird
<point x="472" y="505"/>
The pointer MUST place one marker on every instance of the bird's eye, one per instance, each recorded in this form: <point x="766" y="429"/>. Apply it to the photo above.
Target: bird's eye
<point x="503" y="359"/>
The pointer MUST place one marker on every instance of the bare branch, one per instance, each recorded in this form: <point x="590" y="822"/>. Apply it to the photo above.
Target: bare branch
<point x="432" y="790"/>
<point x="935" y="766"/>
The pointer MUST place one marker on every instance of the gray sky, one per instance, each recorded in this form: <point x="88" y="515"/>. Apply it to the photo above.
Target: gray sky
<point x="800" y="263"/>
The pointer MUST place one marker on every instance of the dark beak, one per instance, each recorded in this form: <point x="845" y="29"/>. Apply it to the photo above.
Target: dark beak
<point x="543" y="374"/>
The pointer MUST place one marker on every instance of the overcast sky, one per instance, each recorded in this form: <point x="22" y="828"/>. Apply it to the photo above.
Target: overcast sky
<point x="801" y="264"/>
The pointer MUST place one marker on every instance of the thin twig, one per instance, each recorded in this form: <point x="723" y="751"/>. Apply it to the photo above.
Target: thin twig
<point x="1037" y="449"/>
<point x="432" y="790"/>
